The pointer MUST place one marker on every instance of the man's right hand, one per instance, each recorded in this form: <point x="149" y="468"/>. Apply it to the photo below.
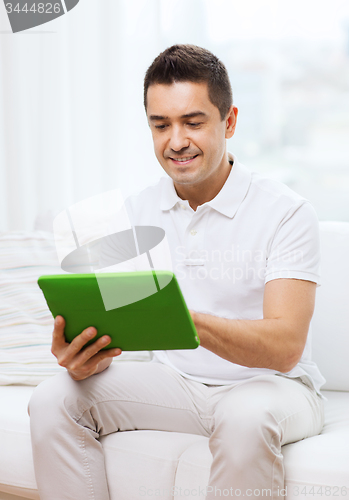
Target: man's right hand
<point x="80" y="361"/>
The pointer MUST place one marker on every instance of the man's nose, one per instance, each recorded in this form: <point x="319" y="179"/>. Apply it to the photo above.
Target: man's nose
<point x="178" y="139"/>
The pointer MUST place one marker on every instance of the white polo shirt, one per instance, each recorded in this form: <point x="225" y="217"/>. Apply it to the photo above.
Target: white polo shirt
<point x="255" y="230"/>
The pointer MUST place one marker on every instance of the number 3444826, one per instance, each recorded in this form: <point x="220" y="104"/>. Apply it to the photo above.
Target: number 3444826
<point x="36" y="8"/>
<point x="325" y="491"/>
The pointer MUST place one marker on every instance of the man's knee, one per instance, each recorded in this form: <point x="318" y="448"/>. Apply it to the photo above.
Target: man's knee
<point x="247" y="422"/>
<point x="50" y="395"/>
<point x="241" y="437"/>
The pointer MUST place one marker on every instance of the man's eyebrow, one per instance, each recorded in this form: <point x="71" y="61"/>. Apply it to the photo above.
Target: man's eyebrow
<point x="194" y="114"/>
<point x="157" y="117"/>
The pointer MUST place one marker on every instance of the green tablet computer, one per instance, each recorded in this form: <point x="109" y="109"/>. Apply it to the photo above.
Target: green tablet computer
<point x="140" y="310"/>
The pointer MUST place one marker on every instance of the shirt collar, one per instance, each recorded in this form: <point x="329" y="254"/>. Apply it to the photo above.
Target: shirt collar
<point x="169" y="197"/>
<point x="227" y="200"/>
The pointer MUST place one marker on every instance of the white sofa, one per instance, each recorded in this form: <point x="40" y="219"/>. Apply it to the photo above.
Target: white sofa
<point x="149" y="464"/>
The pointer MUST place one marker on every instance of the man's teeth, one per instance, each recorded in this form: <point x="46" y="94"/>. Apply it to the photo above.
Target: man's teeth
<point x="184" y="159"/>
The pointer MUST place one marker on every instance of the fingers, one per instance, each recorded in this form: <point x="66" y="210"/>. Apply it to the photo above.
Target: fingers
<point x="82" y="355"/>
<point x="61" y="348"/>
<point x="81" y="340"/>
<point x="58" y="339"/>
<point x="80" y="360"/>
<point x="75" y="355"/>
<point x="95" y="364"/>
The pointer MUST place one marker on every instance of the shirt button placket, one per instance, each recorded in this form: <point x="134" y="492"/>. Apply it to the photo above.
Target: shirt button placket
<point x="194" y="241"/>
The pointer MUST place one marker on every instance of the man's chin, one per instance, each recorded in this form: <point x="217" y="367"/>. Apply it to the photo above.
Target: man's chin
<point x="181" y="174"/>
<point x="185" y="180"/>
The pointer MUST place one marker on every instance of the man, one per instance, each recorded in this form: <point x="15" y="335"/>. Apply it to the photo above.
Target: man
<point x="245" y="252"/>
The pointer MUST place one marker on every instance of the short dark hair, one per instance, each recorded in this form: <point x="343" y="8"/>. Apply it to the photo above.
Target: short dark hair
<point x="189" y="63"/>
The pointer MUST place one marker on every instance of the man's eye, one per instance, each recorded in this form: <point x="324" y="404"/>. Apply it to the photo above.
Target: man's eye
<point x="194" y="124"/>
<point x="160" y="127"/>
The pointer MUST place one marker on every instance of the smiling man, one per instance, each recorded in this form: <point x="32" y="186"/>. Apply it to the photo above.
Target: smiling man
<point x="189" y="138"/>
<point x="245" y="251"/>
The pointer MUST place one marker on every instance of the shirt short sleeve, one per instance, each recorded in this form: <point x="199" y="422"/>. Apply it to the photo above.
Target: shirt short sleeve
<point x="295" y="248"/>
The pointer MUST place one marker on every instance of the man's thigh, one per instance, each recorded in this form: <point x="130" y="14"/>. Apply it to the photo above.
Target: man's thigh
<point x="126" y="396"/>
<point x="285" y="406"/>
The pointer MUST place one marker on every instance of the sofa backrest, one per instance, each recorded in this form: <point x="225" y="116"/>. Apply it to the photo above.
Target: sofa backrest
<point x="330" y="323"/>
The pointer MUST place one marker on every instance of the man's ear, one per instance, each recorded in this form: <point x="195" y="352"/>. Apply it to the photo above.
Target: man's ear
<point x="230" y="122"/>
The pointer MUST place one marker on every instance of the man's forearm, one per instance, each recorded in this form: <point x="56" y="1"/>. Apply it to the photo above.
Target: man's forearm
<point x="261" y="343"/>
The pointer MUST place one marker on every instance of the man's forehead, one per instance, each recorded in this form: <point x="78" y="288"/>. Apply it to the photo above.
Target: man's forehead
<point x="179" y="99"/>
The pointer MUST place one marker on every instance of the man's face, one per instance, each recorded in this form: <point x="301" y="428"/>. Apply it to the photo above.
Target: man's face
<point x="188" y="133"/>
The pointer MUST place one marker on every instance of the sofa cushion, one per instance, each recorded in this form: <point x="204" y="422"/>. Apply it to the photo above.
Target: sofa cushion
<point x="145" y="462"/>
<point x="16" y="462"/>
<point x="330" y="324"/>
<point x="322" y="460"/>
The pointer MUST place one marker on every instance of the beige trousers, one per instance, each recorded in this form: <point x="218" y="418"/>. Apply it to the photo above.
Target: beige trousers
<point x="246" y="422"/>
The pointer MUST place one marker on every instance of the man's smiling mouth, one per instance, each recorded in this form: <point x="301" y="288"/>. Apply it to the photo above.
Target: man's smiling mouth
<point x="184" y="159"/>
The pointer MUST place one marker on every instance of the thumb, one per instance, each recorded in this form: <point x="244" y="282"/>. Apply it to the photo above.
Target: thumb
<point x="58" y="330"/>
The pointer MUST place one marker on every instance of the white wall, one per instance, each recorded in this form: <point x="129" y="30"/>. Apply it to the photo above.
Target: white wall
<point x="72" y="122"/>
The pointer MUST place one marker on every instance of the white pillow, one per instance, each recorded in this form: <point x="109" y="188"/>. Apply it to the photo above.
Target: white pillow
<point x="330" y="324"/>
<point x="26" y="323"/>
